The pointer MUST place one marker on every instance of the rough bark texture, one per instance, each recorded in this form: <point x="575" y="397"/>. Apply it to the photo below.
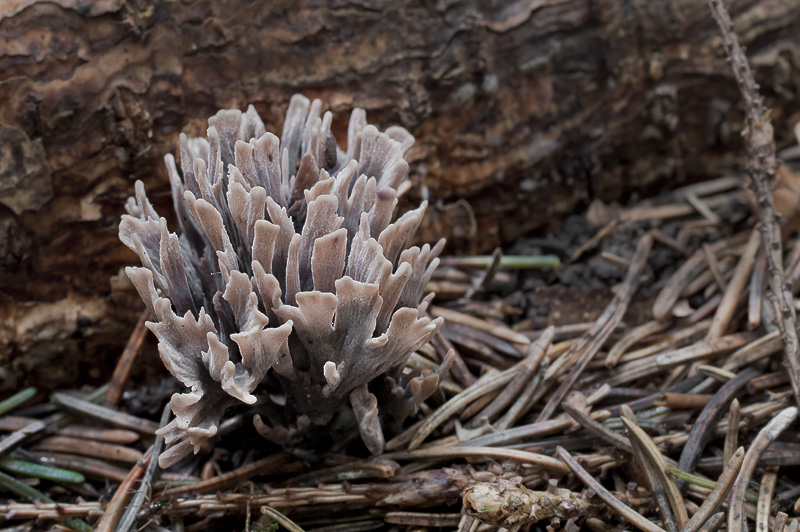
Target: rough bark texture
<point x="523" y="111"/>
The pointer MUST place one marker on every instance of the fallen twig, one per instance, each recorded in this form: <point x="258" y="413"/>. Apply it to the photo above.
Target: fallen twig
<point x="762" y="166"/>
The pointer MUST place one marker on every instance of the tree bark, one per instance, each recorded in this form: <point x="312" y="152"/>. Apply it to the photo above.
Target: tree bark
<point x="523" y="112"/>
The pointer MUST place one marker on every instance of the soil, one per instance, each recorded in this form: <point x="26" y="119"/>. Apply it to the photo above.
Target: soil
<point x="579" y="291"/>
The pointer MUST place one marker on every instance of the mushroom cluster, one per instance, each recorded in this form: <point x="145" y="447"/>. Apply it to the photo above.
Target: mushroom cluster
<point x="288" y="287"/>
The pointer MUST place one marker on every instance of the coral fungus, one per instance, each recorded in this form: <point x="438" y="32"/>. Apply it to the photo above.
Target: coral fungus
<point x="288" y="288"/>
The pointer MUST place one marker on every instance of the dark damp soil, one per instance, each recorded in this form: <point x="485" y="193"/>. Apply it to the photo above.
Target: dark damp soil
<point x="579" y="290"/>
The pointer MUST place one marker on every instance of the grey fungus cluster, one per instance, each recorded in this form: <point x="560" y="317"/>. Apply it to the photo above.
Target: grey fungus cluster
<point x="289" y="286"/>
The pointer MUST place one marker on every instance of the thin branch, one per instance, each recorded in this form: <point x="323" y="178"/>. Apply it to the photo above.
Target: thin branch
<point x="130" y="516"/>
<point x="762" y="167"/>
<point x="123" y="369"/>
<point x="113" y="513"/>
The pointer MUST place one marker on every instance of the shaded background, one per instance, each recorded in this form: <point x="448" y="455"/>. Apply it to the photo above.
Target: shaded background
<point x="523" y="112"/>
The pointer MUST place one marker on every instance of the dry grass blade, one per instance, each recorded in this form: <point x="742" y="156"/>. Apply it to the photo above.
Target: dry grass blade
<point x="259" y="467"/>
<point x="741" y="275"/>
<point x="281" y="519"/>
<point x="780" y="521"/>
<point x="671" y="292"/>
<point x="657" y="491"/>
<point x="29" y="432"/>
<point x="88" y="466"/>
<point x="732" y="431"/>
<point x="714" y="522"/>
<point x="635" y="518"/>
<point x="702" y="350"/>
<point x="469" y="336"/>
<point x="524" y="401"/>
<point x="375" y="468"/>
<point x="14" y="423"/>
<point x="756" y="294"/>
<point x="688" y="401"/>
<point x="484" y="385"/>
<point x="653" y="463"/>
<point x="585" y="421"/>
<point x="646" y="367"/>
<point x="765" y="492"/>
<point x="42" y="510"/>
<point x="487" y="275"/>
<point x="649" y="400"/>
<point x="604" y="232"/>
<point x="766" y="435"/>
<point x="524" y="371"/>
<point x="631" y="338"/>
<point x="103" y="414"/>
<point x="107" y="451"/>
<point x="717" y="496"/>
<point x="713" y="266"/>
<point x="706" y="423"/>
<point x="762" y="167"/>
<point x="351" y="526"/>
<point x="459" y="369"/>
<point x="501" y="331"/>
<point x="422" y="519"/>
<point x="713" y="372"/>
<point x="534" y="430"/>
<point x="524" y="457"/>
<point x="594" y="339"/>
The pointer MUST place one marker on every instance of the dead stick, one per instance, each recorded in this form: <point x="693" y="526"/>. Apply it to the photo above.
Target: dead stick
<point x="114" y="510"/>
<point x="123" y="370"/>
<point x="762" y="166"/>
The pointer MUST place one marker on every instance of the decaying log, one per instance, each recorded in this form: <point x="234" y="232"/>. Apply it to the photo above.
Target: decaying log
<point x="522" y="110"/>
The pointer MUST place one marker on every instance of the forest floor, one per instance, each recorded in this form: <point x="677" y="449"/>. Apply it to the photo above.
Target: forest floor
<point x="600" y="389"/>
<point x="645" y="381"/>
